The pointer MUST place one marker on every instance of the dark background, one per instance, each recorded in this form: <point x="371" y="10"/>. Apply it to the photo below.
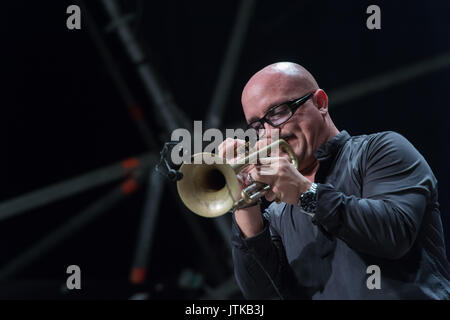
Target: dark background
<point x="61" y="116"/>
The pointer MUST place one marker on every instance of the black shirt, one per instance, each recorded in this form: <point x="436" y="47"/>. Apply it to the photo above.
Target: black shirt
<point x="377" y="208"/>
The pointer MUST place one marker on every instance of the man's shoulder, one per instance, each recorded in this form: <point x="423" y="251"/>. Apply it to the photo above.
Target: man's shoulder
<point x="391" y="149"/>
<point x="378" y="137"/>
<point x="384" y="141"/>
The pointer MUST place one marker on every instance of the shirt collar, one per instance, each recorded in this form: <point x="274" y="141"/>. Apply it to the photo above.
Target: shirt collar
<point x="326" y="154"/>
<point x="329" y="149"/>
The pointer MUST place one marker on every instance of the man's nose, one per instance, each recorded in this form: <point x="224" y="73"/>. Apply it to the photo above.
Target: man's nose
<point x="271" y="132"/>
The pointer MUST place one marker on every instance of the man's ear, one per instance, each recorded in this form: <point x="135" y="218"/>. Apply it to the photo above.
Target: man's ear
<point x="321" y="100"/>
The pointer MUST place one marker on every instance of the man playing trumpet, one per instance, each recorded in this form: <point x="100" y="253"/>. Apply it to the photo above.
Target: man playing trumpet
<point x="355" y="204"/>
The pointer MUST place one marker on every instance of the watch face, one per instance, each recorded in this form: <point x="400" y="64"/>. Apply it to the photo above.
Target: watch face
<point x="308" y="202"/>
<point x="308" y="196"/>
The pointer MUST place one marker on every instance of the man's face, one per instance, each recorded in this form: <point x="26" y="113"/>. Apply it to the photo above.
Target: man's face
<point x="303" y="129"/>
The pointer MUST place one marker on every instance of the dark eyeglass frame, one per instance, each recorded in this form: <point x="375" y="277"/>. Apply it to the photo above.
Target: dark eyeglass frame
<point x="293" y="105"/>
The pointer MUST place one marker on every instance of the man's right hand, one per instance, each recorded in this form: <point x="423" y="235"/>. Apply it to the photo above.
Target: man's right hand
<point x="249" y="219"/>
<point x="232" y="150"/>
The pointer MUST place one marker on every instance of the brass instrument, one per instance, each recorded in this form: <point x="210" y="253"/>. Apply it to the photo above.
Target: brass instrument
<point x="211" y="190"/>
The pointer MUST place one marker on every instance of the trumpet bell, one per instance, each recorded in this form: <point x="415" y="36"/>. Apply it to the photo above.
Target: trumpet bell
<point x="209" y="190"/>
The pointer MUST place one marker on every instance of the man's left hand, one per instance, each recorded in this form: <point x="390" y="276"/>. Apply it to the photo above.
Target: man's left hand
<point x="287" y="183"/>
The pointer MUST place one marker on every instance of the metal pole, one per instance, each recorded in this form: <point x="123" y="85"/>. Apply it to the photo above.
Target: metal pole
<point x="156" y="183"/>
<point x="62" y="190"/>
<point x="229" y="65"/>
<point x="47" y="243"/>
<point x="134" y="109"/>
<point x="147" y="226"/>
<point x="171" y="115"/>
<point x="377" y="83"/>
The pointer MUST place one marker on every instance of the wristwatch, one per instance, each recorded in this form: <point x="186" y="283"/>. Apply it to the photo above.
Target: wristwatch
<point x="308" y="200"/>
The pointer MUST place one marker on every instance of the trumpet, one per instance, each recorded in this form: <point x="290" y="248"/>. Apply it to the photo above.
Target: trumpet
<point x="211" y="190"/>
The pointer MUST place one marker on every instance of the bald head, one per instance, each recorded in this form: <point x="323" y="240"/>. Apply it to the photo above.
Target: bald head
<point x="283" y="77"/>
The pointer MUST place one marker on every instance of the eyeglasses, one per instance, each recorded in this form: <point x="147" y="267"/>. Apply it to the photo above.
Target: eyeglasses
<point x="279" y="114"/>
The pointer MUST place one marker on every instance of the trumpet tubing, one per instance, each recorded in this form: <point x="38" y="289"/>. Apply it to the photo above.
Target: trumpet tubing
<point x="210" y="187"/>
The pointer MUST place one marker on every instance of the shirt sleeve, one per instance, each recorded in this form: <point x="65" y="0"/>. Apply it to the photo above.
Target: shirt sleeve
<point x="260" y="266"/>
<point x="384" y="221"/>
